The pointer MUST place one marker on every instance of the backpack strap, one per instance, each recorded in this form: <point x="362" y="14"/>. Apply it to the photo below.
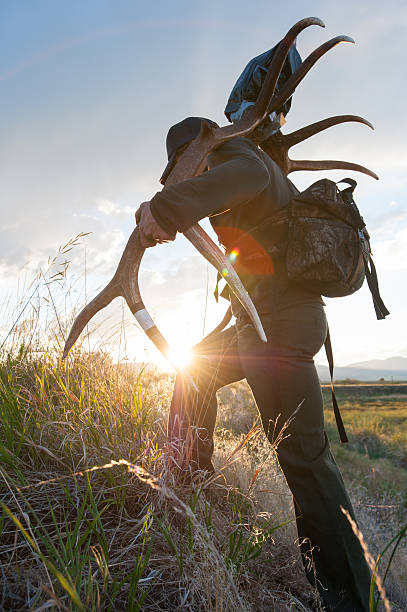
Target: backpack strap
<point x="370" y="269"/>
<point x="339" y="423"/>
<point x="371" y="277"/>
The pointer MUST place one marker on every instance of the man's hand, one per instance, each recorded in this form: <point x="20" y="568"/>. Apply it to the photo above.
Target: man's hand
<point x="150" y="232"/>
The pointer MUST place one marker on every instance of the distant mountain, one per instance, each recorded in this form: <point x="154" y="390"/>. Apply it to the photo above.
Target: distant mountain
<point x="393" y="368"/>
<point x="392" y="363"/>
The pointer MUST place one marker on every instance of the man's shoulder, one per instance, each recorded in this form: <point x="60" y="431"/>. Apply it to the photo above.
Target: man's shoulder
<point x="234" y="148"/>
<point x="240" y="144"/>
<point x="247" y="151"/>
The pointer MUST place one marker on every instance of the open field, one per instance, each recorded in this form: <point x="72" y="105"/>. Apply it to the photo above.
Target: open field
<point x="126" y="537"/>
<point x="375" y="417"/>
<point x="374" y="462"/>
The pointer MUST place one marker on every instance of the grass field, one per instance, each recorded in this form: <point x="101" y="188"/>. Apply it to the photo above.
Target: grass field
<point x="92" y="519"/>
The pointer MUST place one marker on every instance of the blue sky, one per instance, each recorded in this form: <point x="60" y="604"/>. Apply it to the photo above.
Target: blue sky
<point x="88" y="91"/>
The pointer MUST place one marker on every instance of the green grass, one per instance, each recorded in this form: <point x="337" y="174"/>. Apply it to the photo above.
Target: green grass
<point x="376" y="422"/>
<point x="92" y="518"/>
<point x="374" y="465"/>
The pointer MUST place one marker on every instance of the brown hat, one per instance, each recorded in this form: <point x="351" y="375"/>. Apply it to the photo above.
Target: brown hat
<point x="179" y="135"/>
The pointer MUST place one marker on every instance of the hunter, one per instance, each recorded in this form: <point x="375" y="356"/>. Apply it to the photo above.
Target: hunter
<point x="240" y="191"/>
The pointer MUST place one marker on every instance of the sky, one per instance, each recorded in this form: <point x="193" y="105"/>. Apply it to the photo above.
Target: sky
<point x="88" y="91"/>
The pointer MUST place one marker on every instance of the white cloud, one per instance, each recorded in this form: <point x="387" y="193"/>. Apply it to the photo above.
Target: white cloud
<point x="111" y="208"/>
<point x="389" y="221"/>
<point x="105" y="251"/>
<point x="391" y="252"/>
<point x="389" y="237"/>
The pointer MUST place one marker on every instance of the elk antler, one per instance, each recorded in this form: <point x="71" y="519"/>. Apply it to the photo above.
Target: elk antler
<point x="288" y="88"/>
<point x="191" y="163"/>
<point x="125" y="280"/>
<point x="278" y="145"/>
<point x="209" y="139"/>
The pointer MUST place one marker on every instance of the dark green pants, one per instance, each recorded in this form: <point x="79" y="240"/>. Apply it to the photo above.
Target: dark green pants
<point x="282" y="376"/>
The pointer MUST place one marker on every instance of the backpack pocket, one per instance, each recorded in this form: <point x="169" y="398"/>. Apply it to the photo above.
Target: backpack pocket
<point x="323" y="255"/>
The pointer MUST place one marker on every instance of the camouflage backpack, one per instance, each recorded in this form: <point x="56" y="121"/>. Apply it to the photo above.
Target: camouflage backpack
<point x="328" y="248"/>
<point x="323" y="240"/>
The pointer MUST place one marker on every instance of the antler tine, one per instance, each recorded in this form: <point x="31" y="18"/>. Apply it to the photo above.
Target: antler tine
<point x="277" y="147"/>
<point x="256" y="113"/>
<point x="221" y="326"/>
<point x="203" y="243"/>
<point x="298" y="136"/>
<point x="210" y="138"/>
<point x="132" y="254"/>
<point x="298" y="164"/>
<point x="305" y="67"/>
<point x="100" y="301"/>
<point x="125" y="284"/>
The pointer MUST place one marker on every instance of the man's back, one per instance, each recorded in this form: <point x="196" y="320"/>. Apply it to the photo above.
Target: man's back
<point x="268" y="196"/>
<point x="240" y="175"/>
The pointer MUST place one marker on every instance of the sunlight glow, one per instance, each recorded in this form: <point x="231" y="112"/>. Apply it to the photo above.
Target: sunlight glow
<point x="180" y="356"/>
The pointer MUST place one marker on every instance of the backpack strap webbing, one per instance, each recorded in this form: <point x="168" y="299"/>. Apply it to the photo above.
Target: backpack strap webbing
<point x="371" y="277"/>
<point x="339" y="423"/>
<point x="370" y="269"/>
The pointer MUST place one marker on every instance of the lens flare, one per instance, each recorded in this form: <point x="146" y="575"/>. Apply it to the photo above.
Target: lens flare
<point x="180" y="356"/>
<point x="233" y="255"/>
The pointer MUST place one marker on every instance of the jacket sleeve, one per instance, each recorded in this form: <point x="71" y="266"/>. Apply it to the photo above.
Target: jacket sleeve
<point x="236" y="174"/>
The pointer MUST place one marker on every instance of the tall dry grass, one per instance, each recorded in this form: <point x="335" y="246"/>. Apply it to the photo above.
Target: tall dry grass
<point x="91" y="517"/>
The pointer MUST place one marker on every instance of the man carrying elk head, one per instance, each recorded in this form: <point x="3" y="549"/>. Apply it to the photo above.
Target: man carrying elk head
<point x="242" y="192"/>
<point x="237" y="176"/>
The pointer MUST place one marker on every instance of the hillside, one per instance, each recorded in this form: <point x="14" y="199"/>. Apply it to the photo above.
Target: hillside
<point x="95" y="517"/>
<point x="391" y="369"/>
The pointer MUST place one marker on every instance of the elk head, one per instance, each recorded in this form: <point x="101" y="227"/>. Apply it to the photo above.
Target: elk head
<point x="125" y="280"/>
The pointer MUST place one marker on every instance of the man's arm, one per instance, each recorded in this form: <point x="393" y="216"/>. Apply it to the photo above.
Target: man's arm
<point x="237" y="174"/>
<point x="150" y="232"/>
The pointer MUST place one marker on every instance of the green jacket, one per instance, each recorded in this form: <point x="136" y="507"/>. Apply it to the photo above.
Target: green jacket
<point x="241" y="192"/>
<point x="242" y="182"/>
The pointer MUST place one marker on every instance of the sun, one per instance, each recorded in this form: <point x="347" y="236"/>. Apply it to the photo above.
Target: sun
<point x="180" y="356"/>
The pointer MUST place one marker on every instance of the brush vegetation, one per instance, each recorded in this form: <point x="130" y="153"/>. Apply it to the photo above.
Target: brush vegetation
<point x="92" y="518"/>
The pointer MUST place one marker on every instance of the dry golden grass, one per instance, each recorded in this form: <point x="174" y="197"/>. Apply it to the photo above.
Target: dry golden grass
<point x="80" y="531"/>
<point x="92" y="519"/>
